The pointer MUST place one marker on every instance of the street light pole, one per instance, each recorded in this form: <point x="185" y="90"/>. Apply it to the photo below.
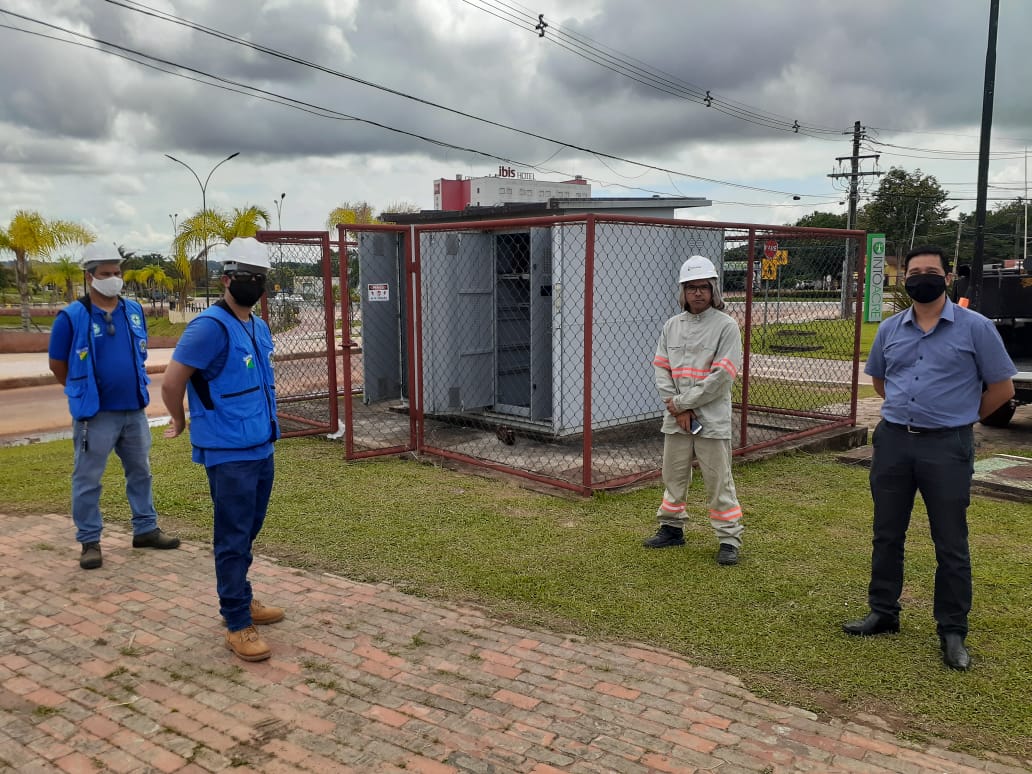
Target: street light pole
<point x="204" y="209"/>
<point x="279" y="211"/>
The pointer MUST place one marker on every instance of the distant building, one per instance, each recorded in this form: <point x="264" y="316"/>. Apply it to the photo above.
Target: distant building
<point x="508" y="186"/>
<point x="652" y="207"/>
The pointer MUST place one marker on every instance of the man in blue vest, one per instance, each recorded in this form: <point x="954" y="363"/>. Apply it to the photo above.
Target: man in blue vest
<point x="223" y="363"/>
<point x="98" y="347"/>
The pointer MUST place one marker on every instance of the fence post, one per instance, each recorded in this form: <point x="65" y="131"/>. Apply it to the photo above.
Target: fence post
<point x="750" y="273"/>
<point x="589" y="308"/>
<point x="414" y="280"/>
<point x="331" y="333"/>
<point x="861" y="271"/>
<point x="346" y="342"/>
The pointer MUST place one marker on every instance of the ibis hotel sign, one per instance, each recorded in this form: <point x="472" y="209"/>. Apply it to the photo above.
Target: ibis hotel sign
<point x="874" y="286"/>
<point x="510" y="172"/>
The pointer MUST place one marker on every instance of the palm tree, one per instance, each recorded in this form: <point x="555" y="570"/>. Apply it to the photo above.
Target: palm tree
<point x="29" y="236"/>
<point x="210" y="228"/>
<point x="153" y="276"/>
<point x="63" y="273"/>
<point x="350" y="213"/>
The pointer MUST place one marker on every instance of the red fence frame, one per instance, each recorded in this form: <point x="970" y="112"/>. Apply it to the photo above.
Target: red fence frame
<point x="413" y="277"/>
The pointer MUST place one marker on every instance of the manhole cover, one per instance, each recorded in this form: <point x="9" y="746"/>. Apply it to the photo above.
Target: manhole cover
<point x="794" y="348"/>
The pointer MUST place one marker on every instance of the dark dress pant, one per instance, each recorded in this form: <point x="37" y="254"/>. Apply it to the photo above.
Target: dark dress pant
<point x="939" y="465"/>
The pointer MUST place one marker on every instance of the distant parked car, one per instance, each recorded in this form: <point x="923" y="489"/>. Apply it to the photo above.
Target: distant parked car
<point x="805" y="285"/>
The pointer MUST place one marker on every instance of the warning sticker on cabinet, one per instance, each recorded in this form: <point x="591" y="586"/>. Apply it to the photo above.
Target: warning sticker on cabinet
<point x="379" y="291"/>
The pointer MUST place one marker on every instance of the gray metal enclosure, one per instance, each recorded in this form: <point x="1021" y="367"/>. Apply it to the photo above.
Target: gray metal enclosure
<point x="503" y="320"/>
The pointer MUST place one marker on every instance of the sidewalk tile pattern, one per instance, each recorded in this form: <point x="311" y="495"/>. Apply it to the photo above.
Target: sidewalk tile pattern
<point x="123" y="669"/>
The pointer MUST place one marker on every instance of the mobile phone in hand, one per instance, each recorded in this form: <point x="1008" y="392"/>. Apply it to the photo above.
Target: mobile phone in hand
<point x="695" y="426"/>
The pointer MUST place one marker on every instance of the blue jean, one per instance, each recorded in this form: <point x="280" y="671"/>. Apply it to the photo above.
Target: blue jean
<point x="939" y="466"/>
<point x="240" y="493"/>
<point x="127" y="433"/>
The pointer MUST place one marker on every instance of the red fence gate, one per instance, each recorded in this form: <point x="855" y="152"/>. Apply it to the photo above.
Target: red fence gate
<point x="300" y="307"/>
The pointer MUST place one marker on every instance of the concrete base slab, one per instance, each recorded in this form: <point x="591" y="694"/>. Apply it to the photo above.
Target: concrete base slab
<point x="1003" y="476"/>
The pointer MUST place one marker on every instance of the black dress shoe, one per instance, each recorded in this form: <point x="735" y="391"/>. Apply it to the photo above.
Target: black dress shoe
<point x="875" y="623"/>
<point x="954" y="654"/>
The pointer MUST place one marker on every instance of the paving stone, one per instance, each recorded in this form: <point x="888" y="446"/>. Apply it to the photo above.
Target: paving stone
<point x="365" y="678"/>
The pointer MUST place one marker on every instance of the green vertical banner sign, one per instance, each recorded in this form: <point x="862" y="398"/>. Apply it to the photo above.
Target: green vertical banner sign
<point x="874" y="285"/>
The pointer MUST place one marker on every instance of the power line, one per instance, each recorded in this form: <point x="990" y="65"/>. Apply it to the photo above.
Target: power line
<point x="638" y="71"/>
<point x="333" y="113"/>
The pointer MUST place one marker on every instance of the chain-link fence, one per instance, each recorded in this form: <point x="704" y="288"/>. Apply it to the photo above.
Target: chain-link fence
<point x="527" y="345"/>
<point x="300" y="308"/>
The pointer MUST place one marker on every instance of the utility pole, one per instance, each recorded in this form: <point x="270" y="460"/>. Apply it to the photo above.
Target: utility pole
<point x="913" y="231"/>
<point x="854" y="175"/>
<point x="956" y="251"/>
<point x="975" y="284"/>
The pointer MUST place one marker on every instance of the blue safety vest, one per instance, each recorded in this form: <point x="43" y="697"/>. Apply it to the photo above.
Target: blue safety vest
<point x="81" y="384"/>
<point x="237" y="408"/>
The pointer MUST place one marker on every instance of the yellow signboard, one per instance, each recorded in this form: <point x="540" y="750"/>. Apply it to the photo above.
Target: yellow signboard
<point x="781" y="257"/>
<point x="769" y="269"/>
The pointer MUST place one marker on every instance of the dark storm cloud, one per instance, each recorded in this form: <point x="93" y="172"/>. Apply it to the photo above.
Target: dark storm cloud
<point x="56" y="91"/>
<point x="895" y="64"/>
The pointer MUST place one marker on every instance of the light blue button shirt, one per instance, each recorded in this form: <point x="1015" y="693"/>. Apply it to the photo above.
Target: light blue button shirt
<point x="934" y="380"/>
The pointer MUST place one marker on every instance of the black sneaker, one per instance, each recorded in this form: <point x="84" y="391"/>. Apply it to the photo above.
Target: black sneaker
<point x="666" y="537"/>
<point x="91" y="558"/>
<point x="155" y="539"/>
<point x="727" y="555"/>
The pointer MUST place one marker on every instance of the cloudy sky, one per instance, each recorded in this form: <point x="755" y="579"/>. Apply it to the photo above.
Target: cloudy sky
<point x="84" y="133"/>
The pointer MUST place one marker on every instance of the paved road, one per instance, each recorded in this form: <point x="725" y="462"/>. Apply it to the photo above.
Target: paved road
<point x="43" y="410"/>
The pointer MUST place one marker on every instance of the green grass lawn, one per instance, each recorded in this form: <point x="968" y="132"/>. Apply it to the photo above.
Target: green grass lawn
<point x="576" y="565"/>
<point x="833" y="337"/>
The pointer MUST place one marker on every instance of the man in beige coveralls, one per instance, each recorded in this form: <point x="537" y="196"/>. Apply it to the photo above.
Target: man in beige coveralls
<point x="697" y="359"/>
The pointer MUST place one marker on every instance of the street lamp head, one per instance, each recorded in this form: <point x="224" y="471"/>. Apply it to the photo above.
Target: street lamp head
<point x="233" y="156"/>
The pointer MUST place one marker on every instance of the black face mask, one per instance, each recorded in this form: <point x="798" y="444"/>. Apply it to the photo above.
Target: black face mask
<point x="925" y="288"/>
<point x="247" y="293"/>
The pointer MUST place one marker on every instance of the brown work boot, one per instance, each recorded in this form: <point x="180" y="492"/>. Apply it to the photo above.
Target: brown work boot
<point x="248" y="644"/>
<point x="264" y="614"/>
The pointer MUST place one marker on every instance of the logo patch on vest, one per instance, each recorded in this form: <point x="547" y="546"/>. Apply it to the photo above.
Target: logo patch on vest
<point x="96" y="329"/>
<point x="82" y="353"/>
<point x="248" y="361"/>
<point x="135" y="320"/>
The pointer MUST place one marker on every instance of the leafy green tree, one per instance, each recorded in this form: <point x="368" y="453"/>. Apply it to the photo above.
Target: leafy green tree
<point x="31" y="236"/>
<point x="902" y="200"/>
<point x="818" y="219"/>
<point x="62" y="273"/>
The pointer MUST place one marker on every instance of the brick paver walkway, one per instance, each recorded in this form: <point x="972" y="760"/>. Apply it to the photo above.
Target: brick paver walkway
<point x="123" y="669"/>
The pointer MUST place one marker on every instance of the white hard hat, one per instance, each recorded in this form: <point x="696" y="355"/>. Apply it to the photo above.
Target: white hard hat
<point x="99" y="252"/>
<point x="246" y="251"/>
<point x="696" y="268"/>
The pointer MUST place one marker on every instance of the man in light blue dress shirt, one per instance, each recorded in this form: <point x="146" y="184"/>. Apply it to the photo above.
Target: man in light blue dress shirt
<point x="940" y="368"/>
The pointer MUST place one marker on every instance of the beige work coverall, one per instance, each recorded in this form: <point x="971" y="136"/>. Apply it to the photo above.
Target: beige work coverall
<point x="697" y="360"/>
